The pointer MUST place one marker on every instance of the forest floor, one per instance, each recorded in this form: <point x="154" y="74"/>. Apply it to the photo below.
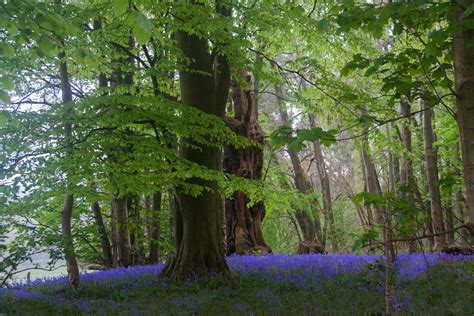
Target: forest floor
<point x="434" y="284"/>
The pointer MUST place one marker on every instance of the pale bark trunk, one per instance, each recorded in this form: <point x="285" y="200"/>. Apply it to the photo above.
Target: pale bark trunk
<point x="66" y="214"/>
<point x="463" y="53"/>
<point x="432" y="178"/>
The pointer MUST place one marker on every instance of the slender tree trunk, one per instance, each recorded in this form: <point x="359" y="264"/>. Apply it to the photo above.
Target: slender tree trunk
<point x="406" y="169"/>
<point x="449" y="221"/>
<point x="463" y="53"/>
<point x="350" y="194"/>
<point x="108" y="256"/>
<point x="103" y="236"/>
<point x="114" y="233"/>
<point x="244" y="224"/>
<point x="66" y="214"/>
<point x="396" y="162"/>
<point x="199" y="219"/>
<point x="370" y="216"/>
<point x="384" y="220"/>
<point x="308" y="220"/>
<point x="432" y="178"/>
<point x="458" y="200"/>
<point x="326" y="188"/>
<point x="155" y="228"/>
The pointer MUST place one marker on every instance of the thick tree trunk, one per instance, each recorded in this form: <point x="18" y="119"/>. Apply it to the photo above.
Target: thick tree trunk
<point x="123" y="236"/>
<point x="103" y="236"/>
<point x="244" y="224"/>
<point x="432" y="178"/>
<point x="66" y="214"/>
<point x="326" y="188"/>
<point x="137" y="251"/>
<point x="199" y="219"/>
<point x="463" y="53"/>
<point x="155" y="228"/>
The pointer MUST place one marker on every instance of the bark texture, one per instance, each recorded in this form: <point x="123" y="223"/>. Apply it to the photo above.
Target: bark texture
<point x="384" y="220"/>
<point x="244" y="223"/>
<point x="406" y="168"/>
<point x="103" y="236"/>
<point x="123" y="236"/>
<point x="114" y="238"/>
<point x="326" y="188"/>
<point x="432" y="178"/>
<point x="66" y="214"/>
<point x="308" y="220"/>
<point x="154" y="223"/>
<point x="199" y="219"/>
<point x="463" y="55"/>
<point x="137" y="251"/>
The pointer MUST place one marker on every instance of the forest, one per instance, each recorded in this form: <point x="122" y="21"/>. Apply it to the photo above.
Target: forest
<point x="237" y="157"/>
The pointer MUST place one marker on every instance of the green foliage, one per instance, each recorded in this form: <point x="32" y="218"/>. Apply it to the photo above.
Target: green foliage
<point x="295" y="139"/>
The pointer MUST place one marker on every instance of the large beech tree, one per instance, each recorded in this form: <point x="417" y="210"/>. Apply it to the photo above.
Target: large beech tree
<point x="199" y="219"/>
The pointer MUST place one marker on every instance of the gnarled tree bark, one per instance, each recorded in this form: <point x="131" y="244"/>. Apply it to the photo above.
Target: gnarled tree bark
<point x="243" y="223"/>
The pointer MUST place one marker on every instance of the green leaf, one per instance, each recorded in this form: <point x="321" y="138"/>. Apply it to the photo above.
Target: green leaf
<point x="468" y="11"/>
<point x="7" y="83"/>
<point x="3" y="118"/>
<point x="15" y="123"/>
<point x="6" y="50"/>
<point x="45" y="44"/>
<point x="120" y="7"/>
<point x="142" y="29"/>
<point x="296" y="144"/>
<point x="296" y="12"/>
<point x="4" y="97"/>
<point x="144" y="23"/>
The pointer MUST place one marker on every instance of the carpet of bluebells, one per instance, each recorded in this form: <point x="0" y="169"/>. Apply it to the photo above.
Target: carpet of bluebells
<point x="435" y="284"/>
